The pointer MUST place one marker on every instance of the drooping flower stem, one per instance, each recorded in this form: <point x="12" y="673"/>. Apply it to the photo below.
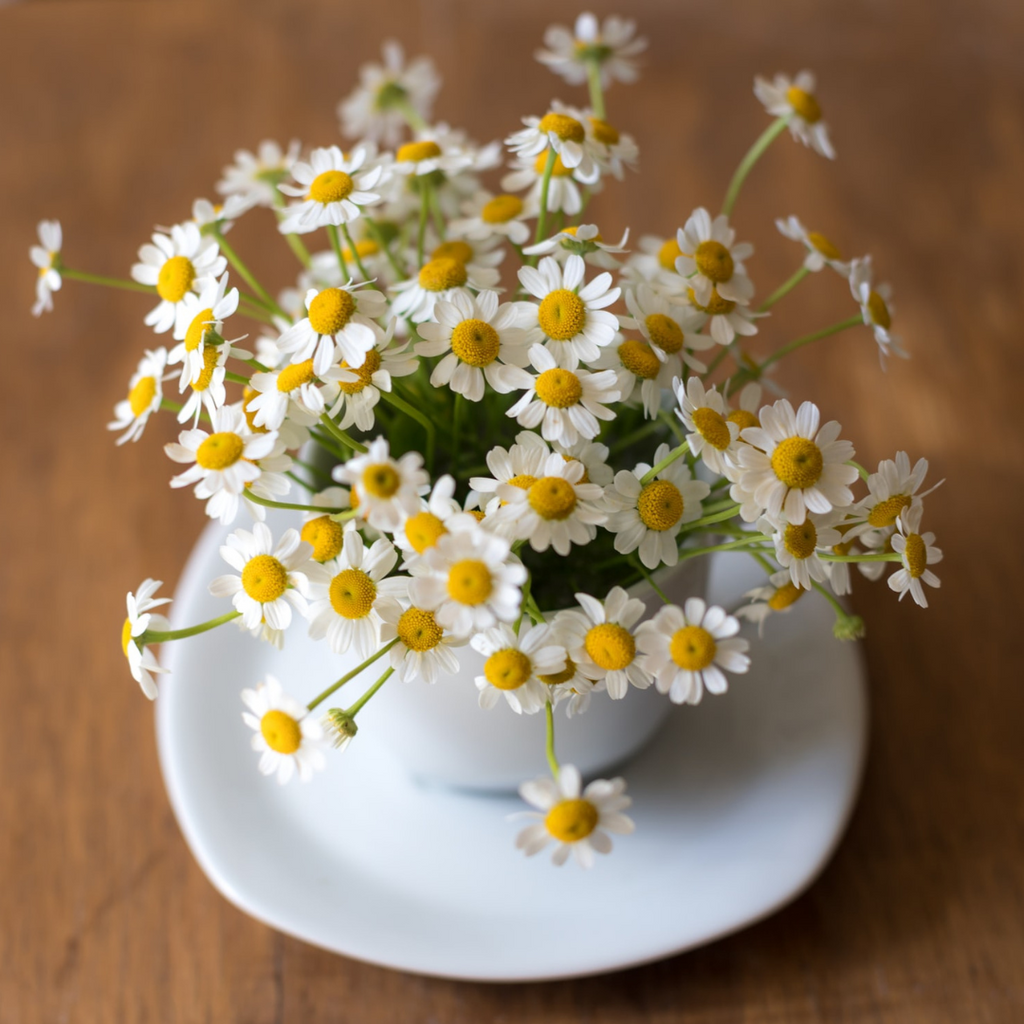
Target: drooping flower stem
<point x="825" y="332"/>
<point x="266" y="298"/>
<point x="756" y="151"/>
<point x="108" y="282"/>
<point x="340" y="514"/>
<point x="352" y="248"/>
<point x="332" y="233"/>
<point x="342" y="435"/>
<point x="410" y="410"/>
<point x="594" y="84"/>
<point x="784" y="289"/>
<point x="665" y="463"/>
<point x="156" y="636"/>
<point x="357" y="707"/>
<point x="545" y="186"/>
<point x="334" y="687"/>
<point x="549" y="743"/>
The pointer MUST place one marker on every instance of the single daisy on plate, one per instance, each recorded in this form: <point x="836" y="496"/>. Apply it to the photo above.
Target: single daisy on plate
<point x="142" y="662"/>
<point x="385" y="490"/>
<point x="821" y="252"/>
<point x="565" y="404"/>
<point x="514" y="664"/>
<point x="876" y="308"/>
<point x="712" y="260"/>
<point x="648" y="516"/>
<point x="584" y="240"/>
<point x="563" y="190"/>
<point x="486" y="215"/>
<point x="442" y="277"/>
<point x="797" y="545"/>
<point x="571" y="319"/>
<point x="255" y="176"/>
<point x="271" y="578"/>
<point x="891" y="491"/>
<point x="794" y="99"/>
<point x="332" y="189"/>
<point x="46" y="258"/>
<point x="478" y="340"/>
<point x="779" y="594"/>
<point x="145" y="393"/>
<point x="686" y="649"/>
<point x="294" y="393"/>
<point x="176" y="263"/>
<point x="559" y="132"/>
<point x="518" y="466"/>
<point x="917" y="551"/>
<point x="288" y="737"/>
<point x="712" y="434"/>
<point x="200" y="321"/>
<point x="612" y="44"/>
<point x="578" y="823"/>
<point x="424" y="648"/>
<point x="670" y="329"/>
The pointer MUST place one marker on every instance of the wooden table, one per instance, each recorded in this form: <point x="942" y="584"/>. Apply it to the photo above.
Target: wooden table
<point x="116" y="115"/>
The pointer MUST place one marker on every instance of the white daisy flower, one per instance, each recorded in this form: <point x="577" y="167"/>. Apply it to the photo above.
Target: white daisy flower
<point x="654" y="263"/>
<point x="592" y="454"/>
<point x="221" y="216"/>
<point x="686" y="649"/>
<point x="442" y="277"/>
<point x="724" y="318"/>
<point x="514" y="664"/>
<point x="334" y="190"/>
<point x="797" y="545"/>
<point x="222" y="462"/>
<point x="712" y="434"/>
<point x="639" y="373"/>
<point x="46" y="258"/>
<point x="565" y="404"/>
<point x="348" y="593"/>
<point x="289" y="738"/>
<point x="563" y="191"/>
<point x="177" y="263"/>
<point x="649" y="516"/>
<point x="145" y="393"/>
<point x="585" y="241"/>
<point x="469" y="581"/>
<point x="438" y="511"/>
<point x="271" y="578"/>
<point x="748" y="405"/>
<point x="273" y="483"/>
<point x="571" y="319"/>
<point x="618" y="150"/>
<point x="377" y="108"/>
<point x="670" y="329"/>
<point x="579" y="824"/>
<point x="876" y="308"/>
<point x="712" y="261"/>
<point x="557" y="130"/>
<point x="424" y="649"/>
<point x="891" y="491"/>
<point x="199" y="319"/>
<point x="292" y="393"/>
<point x="255" y="176"/>
<point x="486" y="215"/>
<point x="612" y="44"/>
<point x="434" y="149"/>
<point x="388" y="491"/>
<point x="917" y="551"/>
<point x="326" y="536"/>
<point x="519" y="466"/>
<point x="779" y="594"/>
<point x="479" y="341"/>
<point x="570" y="686"/>
<point x="207" y="390"/>
<point x="821" y="252"/>
<point x="791" y="465"/>
<point x="794" y="99"/>
<point x="142" y="662"/>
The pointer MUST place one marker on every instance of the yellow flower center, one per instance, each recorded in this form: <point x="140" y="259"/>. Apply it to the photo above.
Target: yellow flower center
<point x="823" y="245"/>
<point x="381" y="479"/>
<point x="418" y="630"/>
<point x="559" y="388"/>
<point x="475" y="342"/>
<point x="692" y="648"/>
<point x="443" y="273"/>
<point x="281" y="732"/>
<point x="638" y="357"/>
<point x="797" y="462"/>
<point x="331" y="310"/>
<point x="211" y="355"/>
<point x="140" y="398"/>
<point x="714" y="261"/>
<point x="664" y="332"/>
<point x="743" y="419"/>
<point x="879" y="311"/>
<point x="454" y="250"/>
<point x="523" y="480"/>
<point x="295" y="375"/>
<point x="669" y="253"/>
<point x="414" y="152"/>
<point x="422" y="531"/>
<point x="330" y="187"/>
<point x="248" y="394"/>
<point x="800" y="541"/>
<point x="712" y="426"/>
<point x="604" y="132"/>
<point x="264" y="578"/>
<point x="573" y="228"/>
<point x="551" y="497"/>
<point x="558" y="171"/>
<point x="507" y="669"/>
<point x="885" y="512"/>
<point x="175" y="278"/>
<point x="371" y="364"/>
<point x="501" y="209"/>
<point x="470" y="582"/>
<point x="788" y="594"/>
<point x="805" y="105"/>
<point x="610" y="646"/>
<point x="126" y="636"/>
<point x="916" y="555"/>
<point x="558" y="678"/>
<point x="717" y="306"/>
<point x="660" y="505"/>
<point x="569" y="821"/>
<point x="562" y="315"/>
<point x="220" y="450"/>
<point x="352" y="594"/>
<point x="198" y="329"/>
<point x="568" y="129"/>
<point x="325" y="536"/>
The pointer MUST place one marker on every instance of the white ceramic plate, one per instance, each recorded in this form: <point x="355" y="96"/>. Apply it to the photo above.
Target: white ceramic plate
<point x="738" y="804"/>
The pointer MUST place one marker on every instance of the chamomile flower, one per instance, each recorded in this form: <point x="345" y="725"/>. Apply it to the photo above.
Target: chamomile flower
<point x="222" y="462"/>
<point x="437" y="511"/>
<point x="612" y="44"/>
<point x="686" y="650"/>
<point x="221" y="216"/>
<point x="797" y="545"/>
<point x="441" y="277"/>
<point x="255" y="176"/>
<point x="792" y="465"/>
<point x="601" y="639"/>
<point x="821" y="252"/>
<point x="794" y="99"/>
<point x="479" y="341"/>
<point x="46" y="257"/>
<point x="570" y="686"/>
<point x="571" y="319"/>
<point x="176" y="263"/>
<point x="748" y="405"/>
<point x="271" y="578"/>
<point x="433" y="149"/>
<point x="723" y="317"/>
<point x="565" y="404"/>
<point x="640" y="373"/>
<point x="293" y="392"/>
<point x="207" y="391"/>
<point x="563" y="134"/>
<point x="387" y="490"/>
<point x="711" y="259"/>
<point x="917" y="551"/>
<point x="486" y="215"/>
<point x="514" y="664"/>
<point x="424" y="648"/>
<point x="325" y="535"/>
<point x="563" y="191"/>
<point x="891" y="491"/>
<point x="332" y="189"/>
<point x="348" y="593"/>
<point x="469" y="581"/>
<point x="519" y="466"/>
<point x="779" y="594"/>
<point x="578" y="823"/>
<point x="670" y="329"/>
<point x="272" y="484"/>
<point x="142" y="662"/>
<point x="289" y="738"/>
<point x="200" y="319"/>
<point x="618" y="150"/>
<point x="145" y="393"/>
<point x="654" y="263"/>
<point x="584" y="240"/>
<point x="712" y="435"/>
<point x="648" y="516"/>
<point x="876" y="308"/>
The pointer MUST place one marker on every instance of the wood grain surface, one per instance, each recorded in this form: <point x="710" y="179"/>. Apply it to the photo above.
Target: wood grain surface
<point x="114" y="116"/>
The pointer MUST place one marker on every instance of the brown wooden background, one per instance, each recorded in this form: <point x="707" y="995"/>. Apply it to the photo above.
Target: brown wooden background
<point x="114" y="116"/>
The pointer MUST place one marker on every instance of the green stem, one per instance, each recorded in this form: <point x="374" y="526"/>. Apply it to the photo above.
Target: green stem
<point x="109" y="282"/>
<point x="422" y="234"/>
<point x="355" y="255"/>
<point x="596" y="91"/>
<point x="735" y="545"/>
<point x="637" y="435"/>
<point x="549" y="742"/>
<point x="374" y="230"/>
<point x="545" y="185"/>
<point x="294" y="242"/>
<point x="708" y="520"/>
<point x="410" y="410"/>
<point x="642" y="569"/>
<point x="338" y="513"/>
<point x="768" y="136"/>
<point x="411" y="115"/>
<point x="350" y="675"/>
<point x="246" y="274"/>
<point x="342" y="435"/>
<point x="328" y="444"/>
<point x="235" y="378"/>
<point x="784" y="289"/>
<point x="825" y="332"/>
<point x="665" y="463"/>
<point x="533" y="609"/>
<point x="313" y="470"/>
<point x="332" y="233"/>
<point x="155" y="636"/>
<point x="860" y="558"/>
<point x="357" y="707"/>
<point x="864" y="474"/>
<point x="673" y="424"/>
<point x="831" y="598"/>
<point x="437" y="214"/>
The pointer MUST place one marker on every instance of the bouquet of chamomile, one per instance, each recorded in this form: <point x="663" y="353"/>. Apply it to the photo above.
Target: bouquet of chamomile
<point x="491" y="419"/>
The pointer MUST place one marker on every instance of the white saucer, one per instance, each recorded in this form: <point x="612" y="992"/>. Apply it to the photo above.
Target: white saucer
<point x="738" y="804"/>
